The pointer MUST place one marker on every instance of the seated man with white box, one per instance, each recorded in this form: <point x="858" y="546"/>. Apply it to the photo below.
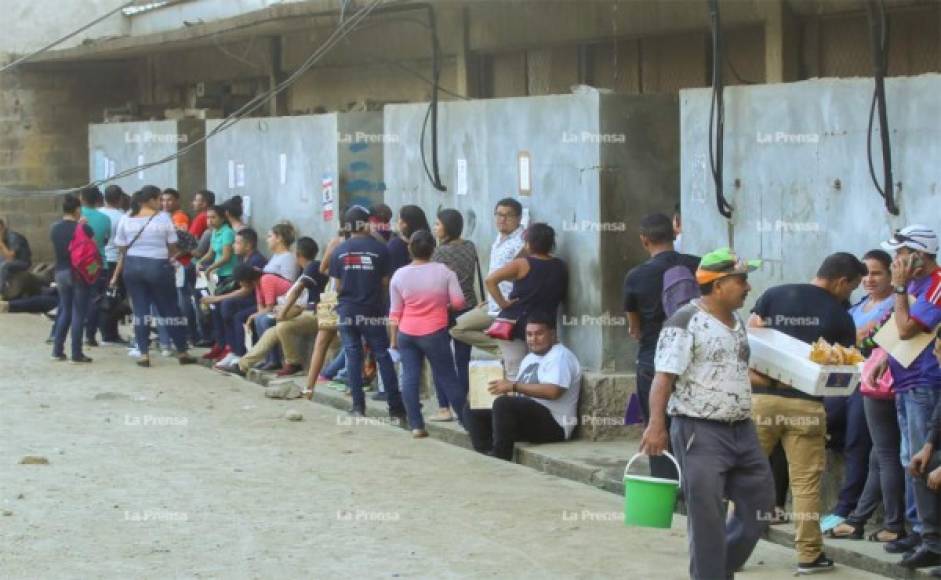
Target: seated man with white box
<point x="541" y="406"/>
<point x="797" y="420"/>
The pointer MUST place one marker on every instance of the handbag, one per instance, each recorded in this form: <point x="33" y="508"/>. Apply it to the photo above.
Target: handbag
<point x="501" y="329"/>
<point x="882" y="387"/>
<point x="327" y="318"/>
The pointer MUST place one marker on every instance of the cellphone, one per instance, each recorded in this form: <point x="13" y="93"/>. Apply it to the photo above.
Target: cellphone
<point x="917" y="261"/>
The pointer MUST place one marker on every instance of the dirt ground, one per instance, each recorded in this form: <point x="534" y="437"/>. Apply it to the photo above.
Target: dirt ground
<point x="179" y="472"/>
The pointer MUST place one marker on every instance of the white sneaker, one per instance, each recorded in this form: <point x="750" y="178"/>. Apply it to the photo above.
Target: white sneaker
<point x="227" y="360"/>
<point x="134" y="353"/>
<point x="166" y="353"/>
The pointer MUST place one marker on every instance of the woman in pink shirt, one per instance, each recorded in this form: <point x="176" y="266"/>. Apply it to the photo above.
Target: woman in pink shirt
<point x="420" y="296"/>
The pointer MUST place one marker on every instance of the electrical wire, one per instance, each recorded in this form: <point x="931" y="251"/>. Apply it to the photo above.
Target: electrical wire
<point x="252" y="105"/>
<point x="879" y="40"/>
<point x="717" y="113"/>
<point x="59" y="41"/>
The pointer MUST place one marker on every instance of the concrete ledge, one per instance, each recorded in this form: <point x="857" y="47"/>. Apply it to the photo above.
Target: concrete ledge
<point x="601" y="464"/>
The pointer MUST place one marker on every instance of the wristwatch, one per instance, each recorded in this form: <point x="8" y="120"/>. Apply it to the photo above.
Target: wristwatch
<point x="900" y="289"/>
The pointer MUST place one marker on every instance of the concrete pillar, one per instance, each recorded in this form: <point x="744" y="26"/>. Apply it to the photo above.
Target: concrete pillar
<point x="465" y="68"/>
<point x="782" y="43"/>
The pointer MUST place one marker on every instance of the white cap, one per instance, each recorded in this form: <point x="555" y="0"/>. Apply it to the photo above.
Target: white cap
<point x="916" y="237"/>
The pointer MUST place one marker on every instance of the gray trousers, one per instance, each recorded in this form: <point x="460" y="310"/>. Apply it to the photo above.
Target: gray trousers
<point x="929" y="507"/>
<point x="722" y="461"/>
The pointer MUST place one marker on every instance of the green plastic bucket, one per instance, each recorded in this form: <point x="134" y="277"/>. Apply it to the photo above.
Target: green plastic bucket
<point x="649" y="501"/>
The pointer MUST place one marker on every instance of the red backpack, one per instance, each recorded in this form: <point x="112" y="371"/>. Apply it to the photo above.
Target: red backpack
<point x="86" y="260"/>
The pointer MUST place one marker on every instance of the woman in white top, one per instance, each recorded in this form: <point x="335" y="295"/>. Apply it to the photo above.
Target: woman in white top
<point x="282" y="262"/>
<point x="147" y="242"/>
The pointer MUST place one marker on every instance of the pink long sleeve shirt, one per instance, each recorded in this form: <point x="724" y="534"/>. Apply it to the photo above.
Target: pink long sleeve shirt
<point x="420" y="296"/>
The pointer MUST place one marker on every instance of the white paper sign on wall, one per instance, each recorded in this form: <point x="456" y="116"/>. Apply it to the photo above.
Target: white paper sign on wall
<point x="525" y="173"/>
<point x="462" y="176"/>
<point x="140" y="172"/>
<point x="240" y="175"/>
<point x="231" y="174"/>
<point x="284" y="168"/>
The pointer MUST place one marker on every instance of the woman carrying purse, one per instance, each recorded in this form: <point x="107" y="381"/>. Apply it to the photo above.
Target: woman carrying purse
<point x="540" y="283"/>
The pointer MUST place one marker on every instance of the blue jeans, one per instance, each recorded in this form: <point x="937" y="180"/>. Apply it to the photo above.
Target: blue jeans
<point x="74" y="295"/>
<point x="262" y="324"/>
<point x="336" y="366"/>
<point x="849" y="432"/>
<point x="437" y="348"/>
<point x="353" y="330"/>
<point x="152" y="287"/>
<point x="462" y="356"/>
<point x="914" y="408"/>
<point x="93" y="317"/>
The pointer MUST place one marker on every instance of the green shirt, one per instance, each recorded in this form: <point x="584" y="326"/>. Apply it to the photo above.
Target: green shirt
<point x="100" y="225"/>
<point x="221" y="238"/>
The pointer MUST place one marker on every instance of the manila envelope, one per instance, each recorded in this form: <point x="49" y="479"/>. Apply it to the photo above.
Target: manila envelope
<point x="481" y="373"/>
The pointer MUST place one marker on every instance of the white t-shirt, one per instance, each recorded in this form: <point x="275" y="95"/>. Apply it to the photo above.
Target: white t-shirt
<point x="557" y="367"/>
<point x="502" y="252"/>
<point x="711" y="363"/>
<point x="284" y="265"/>
<point x="115" y="215"/>
<point x="153" y="240"/>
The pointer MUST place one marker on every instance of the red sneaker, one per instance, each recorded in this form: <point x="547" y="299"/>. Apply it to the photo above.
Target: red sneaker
<point x="222" y="354"/>
<point x="212" y="354"/>
<point x="290" y="370"/>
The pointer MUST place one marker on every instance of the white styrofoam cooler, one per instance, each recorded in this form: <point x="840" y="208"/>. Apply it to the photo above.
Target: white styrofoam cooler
<point x="787" y="359"/>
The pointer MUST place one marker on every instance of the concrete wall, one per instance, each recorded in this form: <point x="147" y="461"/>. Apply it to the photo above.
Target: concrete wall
<point x="344" y="148"/>
<point x="115" y="147"/>
<point x="798" y="154"/>
<point x="579" y="186"/>
<point x="34" y="23"/>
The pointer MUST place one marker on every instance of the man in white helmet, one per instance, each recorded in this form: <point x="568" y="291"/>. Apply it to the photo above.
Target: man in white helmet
<point x="916" y="281"/>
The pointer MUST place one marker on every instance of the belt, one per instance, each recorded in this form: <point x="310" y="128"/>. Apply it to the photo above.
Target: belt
<point x="729" y="422"/>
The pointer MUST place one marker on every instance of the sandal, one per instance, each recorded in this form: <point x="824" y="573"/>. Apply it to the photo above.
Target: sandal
<point x="852" y="532"/>
<point x="874" y="537"/>
<point x="308" y="393"/>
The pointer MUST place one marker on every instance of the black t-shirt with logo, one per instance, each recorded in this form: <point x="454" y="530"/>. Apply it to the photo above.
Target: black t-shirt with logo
<point x="643" y="289"/>
<point x="360" y="263"/>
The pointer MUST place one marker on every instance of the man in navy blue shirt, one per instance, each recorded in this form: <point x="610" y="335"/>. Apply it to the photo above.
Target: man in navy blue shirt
<point x="361" y="268"/>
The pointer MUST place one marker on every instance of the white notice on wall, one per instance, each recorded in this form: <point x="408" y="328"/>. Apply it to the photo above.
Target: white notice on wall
<point x="247" y="207"/>
<point x="462" y="176"/>
<point x="284" y="168"/>
<point x="524" y="221"/>
<point x="140" y="172"/>
<point x="240" y="175"/>
<point x="111" y="170"/>
<point x="231" y="174"/>
<point x="525" y="173"/>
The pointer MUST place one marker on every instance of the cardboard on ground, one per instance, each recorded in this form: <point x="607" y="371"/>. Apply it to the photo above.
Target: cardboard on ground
<point x="481" y="373"/>
<point x="904" y="351"/>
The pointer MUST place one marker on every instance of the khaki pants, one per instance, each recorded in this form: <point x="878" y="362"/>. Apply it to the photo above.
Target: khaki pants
<point x="512" y="352"/>
<point x="292" y="332"/>
<point x="288" y="335"/>
<point x="470" y="329"/>
<point x="800" y="426"/>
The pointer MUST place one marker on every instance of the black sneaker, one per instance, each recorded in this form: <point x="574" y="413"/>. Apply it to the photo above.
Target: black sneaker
<point x="355" y="413"/>
<point x="118" y="341"/>
<point x="80" y="360"/>
<point x="922" y="558"/>
<point x="903" y="545"/>
<point x="91" y="342"/>
<point x="821" y="564"/>
<point x="59" y="357"/>
<point x="380" y="396"/>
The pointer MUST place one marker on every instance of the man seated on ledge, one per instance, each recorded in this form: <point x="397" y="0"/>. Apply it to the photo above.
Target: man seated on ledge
<point x="541" y="406"/>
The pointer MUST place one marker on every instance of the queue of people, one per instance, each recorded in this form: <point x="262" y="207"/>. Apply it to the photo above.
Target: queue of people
<point x="726" y="423"/>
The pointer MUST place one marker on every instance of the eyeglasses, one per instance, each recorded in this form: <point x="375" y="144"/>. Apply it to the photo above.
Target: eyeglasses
<point x="504" y="216"/>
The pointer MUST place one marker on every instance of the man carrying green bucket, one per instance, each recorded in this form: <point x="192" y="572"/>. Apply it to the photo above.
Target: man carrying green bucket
<point x="702" y="381"/>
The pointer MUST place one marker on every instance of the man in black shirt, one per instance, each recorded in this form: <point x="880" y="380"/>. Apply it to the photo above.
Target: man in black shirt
<point x="795" y="419"/>
<point x="643" y="289"/>
<point x="74" y="293"/>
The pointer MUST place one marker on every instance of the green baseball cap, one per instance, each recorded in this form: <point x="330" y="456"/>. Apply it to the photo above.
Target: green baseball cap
<point x="721" y="263"/>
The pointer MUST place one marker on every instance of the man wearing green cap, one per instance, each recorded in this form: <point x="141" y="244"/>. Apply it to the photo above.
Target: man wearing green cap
<point x="702" y="382"/>
<point x="792" y="418"/>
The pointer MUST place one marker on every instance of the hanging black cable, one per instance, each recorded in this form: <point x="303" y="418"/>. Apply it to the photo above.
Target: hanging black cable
<point x="434" y="175"/>
<point x="717" y="112"/>
<point x="878" y="39"/>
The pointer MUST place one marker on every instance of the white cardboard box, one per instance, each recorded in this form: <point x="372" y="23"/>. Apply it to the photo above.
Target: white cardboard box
<point x="787" y="359"/>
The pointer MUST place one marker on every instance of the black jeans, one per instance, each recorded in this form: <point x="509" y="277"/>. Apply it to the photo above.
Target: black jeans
<point x="886" y="480"/>
<point x="512" y="419"/>
<point x="660" y="466"/>
<point x="929" y="507"/>
<point x="846" y="422"/>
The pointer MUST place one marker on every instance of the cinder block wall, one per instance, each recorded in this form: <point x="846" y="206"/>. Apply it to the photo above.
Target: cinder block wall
<point x="32" y="215"/>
